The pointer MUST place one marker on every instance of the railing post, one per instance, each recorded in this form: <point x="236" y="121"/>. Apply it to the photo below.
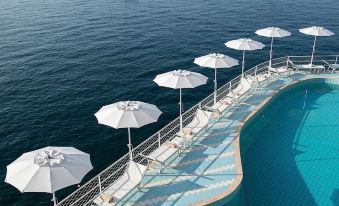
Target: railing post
<point x="230" y="89"/>
<point x="100" y="189"/>
<point x="199" y="105"/>
<point x="336" y="60"/>
<point x="159" y="139"/>
<point x="287" y="64"/>
<point x="255" y="71"/>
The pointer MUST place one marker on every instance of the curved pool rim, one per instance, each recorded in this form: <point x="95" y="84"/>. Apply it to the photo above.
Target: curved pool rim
<point x="231" y="193"/>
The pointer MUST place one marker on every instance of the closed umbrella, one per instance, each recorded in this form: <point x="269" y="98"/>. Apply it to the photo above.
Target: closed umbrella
<point x="128" y="114"/>
<point x="315" y="31"/>
<point x="244" y="44"/>
<point x="272" y="32"/>
<point x="180" y="79"/>
<point x="216" y="61"/>
<point x="48" y="169"/>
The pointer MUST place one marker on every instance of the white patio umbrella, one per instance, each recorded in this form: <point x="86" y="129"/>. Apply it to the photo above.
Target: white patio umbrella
<point x="216" y="61"/>
<point x="180" y="79"/>
<point x="244" y="44"/>
<point x="315" y="31"/>
<point x="48" y="169"/>
<point x="272" y="32"/>
<point x="128" y="114"/>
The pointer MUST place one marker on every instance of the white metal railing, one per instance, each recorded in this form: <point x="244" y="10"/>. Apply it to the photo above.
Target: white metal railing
<point x="94" y="187"/>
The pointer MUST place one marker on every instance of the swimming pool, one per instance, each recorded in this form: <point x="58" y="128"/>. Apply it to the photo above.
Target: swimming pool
<point x="290" y="148"/>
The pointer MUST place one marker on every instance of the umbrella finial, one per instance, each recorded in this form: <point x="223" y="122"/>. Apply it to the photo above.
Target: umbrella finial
<point x="49" y="158"/>
<point x="129" y="106"/>
<point x="181" y="72"/>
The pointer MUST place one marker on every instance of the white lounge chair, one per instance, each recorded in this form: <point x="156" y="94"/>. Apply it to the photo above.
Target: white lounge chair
<point x="334" y="67"/>
<point x="221" y="105"/>
<point x="130" y="180"/>
<point x="309" y="67"/>
<point x="279" y="70"/>
<point x="244" y="86"/>
<point x="179" y="142"/>
<point x="263" y="77"/>
<point x="165" y="151"/>
<point x="200" y="121"/>
<point x="259" y="78"/>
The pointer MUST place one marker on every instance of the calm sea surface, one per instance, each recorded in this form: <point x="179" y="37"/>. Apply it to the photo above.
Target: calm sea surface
<point x="60" y="61"/>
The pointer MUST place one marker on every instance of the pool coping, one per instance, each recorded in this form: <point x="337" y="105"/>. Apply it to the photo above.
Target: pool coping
<point x="237" y="182"/>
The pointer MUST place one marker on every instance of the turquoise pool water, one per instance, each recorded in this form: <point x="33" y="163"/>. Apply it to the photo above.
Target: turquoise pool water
<point x="290" y="148"/>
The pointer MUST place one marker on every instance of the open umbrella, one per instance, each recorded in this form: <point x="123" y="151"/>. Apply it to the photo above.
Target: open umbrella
<point x="180" y="79"/>
<point x="48" y="169"/>
<point x="315" y="31"/>
<point x="216" y="61"/>
<point x="244" y="44"/>
<point x="128" y="114"/>
<point x="272" y="32"/>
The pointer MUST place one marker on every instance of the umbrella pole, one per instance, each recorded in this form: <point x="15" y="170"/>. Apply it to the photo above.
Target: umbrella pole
<point x="215" y="85"/>
<point x="271" y="54"/>
<point x="315" y="39"/>
<point x="180" y="110"/>
<point x="243" y="64"/>
<point x="129" y="144"/>
<point x="54" y="199"/>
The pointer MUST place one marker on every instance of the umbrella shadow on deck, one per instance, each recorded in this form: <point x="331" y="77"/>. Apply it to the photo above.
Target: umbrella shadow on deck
<point x="256" y="99"/>
<point x="297" y="76"/>
<point x="157" y="195"/>
<point x="242" y="111"/>
<point x="276" y="84"/>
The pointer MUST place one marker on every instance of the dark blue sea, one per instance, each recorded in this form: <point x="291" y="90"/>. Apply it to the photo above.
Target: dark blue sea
<point x="60" y="61"/>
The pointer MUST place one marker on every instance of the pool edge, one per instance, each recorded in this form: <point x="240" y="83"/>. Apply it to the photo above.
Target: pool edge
<point x="226" y="196"/>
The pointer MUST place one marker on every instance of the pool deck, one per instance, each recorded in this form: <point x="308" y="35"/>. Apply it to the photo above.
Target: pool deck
<point x="210" y="169"/>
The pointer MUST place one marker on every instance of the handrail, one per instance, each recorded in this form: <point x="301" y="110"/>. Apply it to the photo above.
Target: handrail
<point x="90" y="190"/>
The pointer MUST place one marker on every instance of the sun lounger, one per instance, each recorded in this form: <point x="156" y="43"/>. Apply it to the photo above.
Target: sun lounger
<point x="244" y="86"/>
<point x="165" y="151"/>
<point x="220" y="106"/>
<point x="200" y="121"/>
<point x="310" y="67"/>
<point x="279" y="70"/>
<point x="263" y="77"/>
<point x="259" y="78"/>
<point x="334" y="67"/>
<point x="130" y="180"/>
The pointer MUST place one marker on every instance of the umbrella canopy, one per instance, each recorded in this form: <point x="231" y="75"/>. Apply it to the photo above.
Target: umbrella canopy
<point x="315" y="31"/>
<point x="244" y="44"/>
<point x="128" y="114"/>
<point x="180" y="79"/>
<point x="272" y="32"/>
<point x="216" y="61"/>
<point x="48" y="169"/>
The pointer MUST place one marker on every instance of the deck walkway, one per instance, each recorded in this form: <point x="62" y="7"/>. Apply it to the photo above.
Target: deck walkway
<point x="211" y="169"/>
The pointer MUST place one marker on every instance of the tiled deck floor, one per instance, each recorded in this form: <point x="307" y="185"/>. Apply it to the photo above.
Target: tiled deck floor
<point x="211" y="168"/>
